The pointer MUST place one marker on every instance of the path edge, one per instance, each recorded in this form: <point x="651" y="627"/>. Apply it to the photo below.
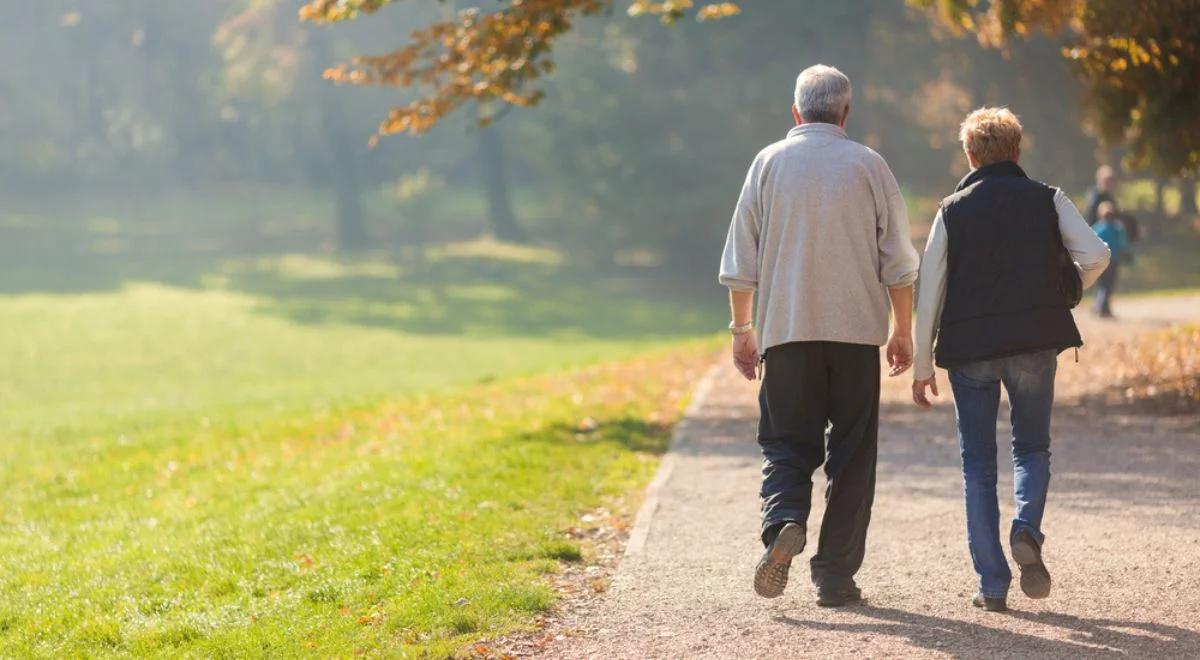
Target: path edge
<point x="679" y="436"/>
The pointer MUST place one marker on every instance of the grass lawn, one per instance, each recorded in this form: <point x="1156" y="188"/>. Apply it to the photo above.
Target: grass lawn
<point x="414" y="526"/>
<point x="296" y="455"/>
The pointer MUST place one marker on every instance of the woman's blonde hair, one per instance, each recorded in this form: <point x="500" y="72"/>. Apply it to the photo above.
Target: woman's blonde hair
<point x="991" y="135"/>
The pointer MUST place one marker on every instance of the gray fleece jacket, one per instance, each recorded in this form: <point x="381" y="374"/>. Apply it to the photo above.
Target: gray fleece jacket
<point x="820" y="231"/>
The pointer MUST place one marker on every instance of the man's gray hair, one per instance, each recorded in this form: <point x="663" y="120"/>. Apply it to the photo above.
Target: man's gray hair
<point x="822" y="94"/>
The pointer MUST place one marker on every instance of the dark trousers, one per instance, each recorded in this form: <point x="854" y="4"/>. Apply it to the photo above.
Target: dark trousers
<point x="820" y="405"/>
<point x="1106" y="286"/>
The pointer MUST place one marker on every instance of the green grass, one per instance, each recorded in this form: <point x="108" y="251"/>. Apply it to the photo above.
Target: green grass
<point x="299" y="455"/>
<point x="409" y="528"/>
<point x="265" y="337"/>
<point x="1164" y="260"/>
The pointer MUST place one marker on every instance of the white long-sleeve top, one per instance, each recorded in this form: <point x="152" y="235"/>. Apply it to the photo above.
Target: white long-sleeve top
<point x="1090" y="254"/>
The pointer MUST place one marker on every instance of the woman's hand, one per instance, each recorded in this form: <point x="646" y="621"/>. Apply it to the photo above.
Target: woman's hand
<point x="918" y="391"/>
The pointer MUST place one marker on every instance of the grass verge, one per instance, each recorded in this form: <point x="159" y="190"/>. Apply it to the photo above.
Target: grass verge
<point x="411" y="528"/>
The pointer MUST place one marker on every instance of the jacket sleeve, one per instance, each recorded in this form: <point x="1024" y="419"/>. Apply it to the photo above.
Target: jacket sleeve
<point x="739" y="262"/>
<point x="898" y="259"/>
<point x="931" y="297"/>
<point x="1090" y="253"/>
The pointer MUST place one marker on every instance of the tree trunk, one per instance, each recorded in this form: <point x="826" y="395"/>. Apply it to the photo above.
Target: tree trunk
<point x="1160" y="185"/>
<point x="1187" y="205"/>
<point x="351" y="219"/>
<point x="344" y="179"/>
<point x="495" y="184"/>
<point x="342" y="166"/>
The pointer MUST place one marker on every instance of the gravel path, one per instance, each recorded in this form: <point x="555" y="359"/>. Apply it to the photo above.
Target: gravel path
<point x="1122" y="524"/>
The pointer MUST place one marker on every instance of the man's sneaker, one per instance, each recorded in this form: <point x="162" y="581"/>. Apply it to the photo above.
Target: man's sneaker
<point x="990" y="604"/>
<point x="771" y="576"/>
<point x="839" y="596"/>
<point x="1027" y="552"/>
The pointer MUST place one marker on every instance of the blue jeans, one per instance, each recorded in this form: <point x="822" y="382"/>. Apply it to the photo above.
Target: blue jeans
<point x="1029" y="380"/>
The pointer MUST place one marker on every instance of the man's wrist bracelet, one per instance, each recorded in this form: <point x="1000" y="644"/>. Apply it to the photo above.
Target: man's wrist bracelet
<point x="740" y="329"/>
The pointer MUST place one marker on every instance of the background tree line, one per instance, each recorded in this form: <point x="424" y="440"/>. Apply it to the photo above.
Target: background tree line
<point x="635" y="150"/>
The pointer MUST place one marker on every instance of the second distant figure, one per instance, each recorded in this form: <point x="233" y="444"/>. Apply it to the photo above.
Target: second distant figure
<point x="1111" y="229"/>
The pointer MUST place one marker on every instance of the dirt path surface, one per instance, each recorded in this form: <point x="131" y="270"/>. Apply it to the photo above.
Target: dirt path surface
<point x="1122" y="525"/>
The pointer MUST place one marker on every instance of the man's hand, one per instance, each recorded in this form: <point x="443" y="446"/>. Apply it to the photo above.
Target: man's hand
<point x="745" y="354"/>
<point x="919" y="386"/>
<point x="899" y="354"/>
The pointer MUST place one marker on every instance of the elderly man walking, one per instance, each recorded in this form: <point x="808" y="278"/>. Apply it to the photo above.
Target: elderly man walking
<point x="1006" y="259"/>
<point x="821" y="234"/>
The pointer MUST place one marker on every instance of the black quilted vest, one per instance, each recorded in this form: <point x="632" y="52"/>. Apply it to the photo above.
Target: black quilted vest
<point x="1004" y="291"/>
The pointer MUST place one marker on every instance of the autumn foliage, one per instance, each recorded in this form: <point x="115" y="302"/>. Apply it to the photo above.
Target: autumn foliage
<point x="1139" y="62"/>
<point x="493" y="58"/>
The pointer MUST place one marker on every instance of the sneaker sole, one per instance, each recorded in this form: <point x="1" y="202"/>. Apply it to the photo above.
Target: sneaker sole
<point x="771" y="576"/>
<point x="1035" y="579"/>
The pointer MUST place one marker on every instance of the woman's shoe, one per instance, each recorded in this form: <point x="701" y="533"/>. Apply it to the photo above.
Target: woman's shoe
<point x="990" y="604"/>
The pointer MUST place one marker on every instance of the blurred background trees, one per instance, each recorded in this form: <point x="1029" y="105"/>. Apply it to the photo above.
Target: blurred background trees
<point x="1139" y="63"/>
<point x="634" y="153"/>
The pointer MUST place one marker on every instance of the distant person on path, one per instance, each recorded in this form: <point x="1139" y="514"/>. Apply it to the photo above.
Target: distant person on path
<point x="1103" y="191"/>
<point x="1111" y="230"/>
<point x="821" y="233"/>
<point x="995" y="290"/>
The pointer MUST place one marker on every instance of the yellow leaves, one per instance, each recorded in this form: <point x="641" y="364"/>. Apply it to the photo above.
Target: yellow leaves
<point x="667" y="8"/>
<point x="671" y="10"/>
<point x="1076" y="53"/>
<point x="474" y="56"/>
<point x="477" y="56"/>
<point x="333" y="11"/>
<point x="718" y="10"/>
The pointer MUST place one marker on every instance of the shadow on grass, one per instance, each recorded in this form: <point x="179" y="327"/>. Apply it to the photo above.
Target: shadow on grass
<point x="483" y="296"/>
<point x="268" y="246"/>
<point x="1094" y="638"/>
<point x="450" y="295"/>
<point x="633" y="433"/>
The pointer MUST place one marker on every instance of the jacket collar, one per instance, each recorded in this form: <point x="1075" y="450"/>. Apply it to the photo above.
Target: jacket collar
<point x="817" y="128"/>
<point x="999" y="168"/>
